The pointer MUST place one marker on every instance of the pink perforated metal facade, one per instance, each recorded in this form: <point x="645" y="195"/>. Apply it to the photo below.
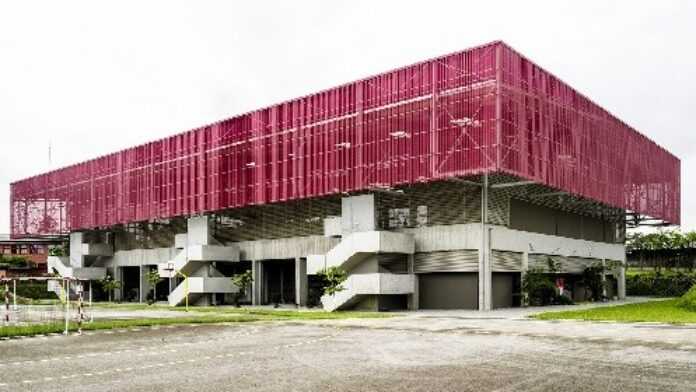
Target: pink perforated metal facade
<point x="486" y="109"/>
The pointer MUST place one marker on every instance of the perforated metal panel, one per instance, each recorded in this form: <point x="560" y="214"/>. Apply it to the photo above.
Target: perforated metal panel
<point x="503" y="261"/>
<point x="482" y="110"/>
<point x="567" y="264"/>
<point x="447" y="261"/>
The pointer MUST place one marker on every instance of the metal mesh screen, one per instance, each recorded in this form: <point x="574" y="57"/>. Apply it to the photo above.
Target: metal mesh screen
<point x="485" y="109"/>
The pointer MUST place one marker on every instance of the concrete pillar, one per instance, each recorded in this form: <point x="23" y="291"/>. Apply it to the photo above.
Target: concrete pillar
<point x="413" y="298"/>
<point x="198" y="231"/>
<point x="621" y="281"/>
<point x="141" y="283"/>
<point x="604" y="278"/>
<point x="524" y="300"/>
<point x="257" y="284"/>
<point x="301" y="282"/>
<point x="118" y="275"/>
<point x="76" y="259"/>
<point x="485" y="276"/>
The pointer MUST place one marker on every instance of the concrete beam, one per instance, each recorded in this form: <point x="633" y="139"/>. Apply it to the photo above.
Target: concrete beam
<point x="511" y="184"/>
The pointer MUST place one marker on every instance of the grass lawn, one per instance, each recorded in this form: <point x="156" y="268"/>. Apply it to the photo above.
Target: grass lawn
<point x="196" y="315"/>
<point x="58" y="327"/>
<point x="632" y="271"/>
<point x="662" y="311"/>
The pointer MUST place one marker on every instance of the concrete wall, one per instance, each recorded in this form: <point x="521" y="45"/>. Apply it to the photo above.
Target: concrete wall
<point x="526" y="216"/>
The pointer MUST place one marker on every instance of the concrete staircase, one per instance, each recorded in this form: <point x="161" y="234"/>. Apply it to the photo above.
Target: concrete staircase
<point x="62" y="267"/>
<point x="194" y="263"/>
<point x="356" y="247"/>
<point x="357" y="286"/>
<point x="198" y="286"/>
<point x="355" y="254"/>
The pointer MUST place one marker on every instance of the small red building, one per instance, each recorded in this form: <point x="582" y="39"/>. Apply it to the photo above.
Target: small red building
<point x="33" y="250"/>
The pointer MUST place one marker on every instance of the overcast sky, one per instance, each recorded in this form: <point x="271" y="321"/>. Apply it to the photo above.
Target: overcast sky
<point x="96" y="77"/>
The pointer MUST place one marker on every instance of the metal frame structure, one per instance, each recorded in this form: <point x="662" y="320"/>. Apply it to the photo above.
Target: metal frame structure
<point x="483" y="110"/>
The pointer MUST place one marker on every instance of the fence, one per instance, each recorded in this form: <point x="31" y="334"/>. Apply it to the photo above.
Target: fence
<point x="47" y="314"/>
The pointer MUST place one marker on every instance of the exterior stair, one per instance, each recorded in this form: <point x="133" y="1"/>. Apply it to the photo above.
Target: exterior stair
<point x="194" y="263"/>
<point x="197" y="286"/>
<point x="356" y="247"/>
<point x="352" y="254"/>
<point x="61" y="266"/>
<point x="359" y="285"/>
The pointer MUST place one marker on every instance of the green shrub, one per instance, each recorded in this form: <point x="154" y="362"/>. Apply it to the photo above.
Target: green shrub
<point x="660" y="285"/>
<point x="541" y="290"/>
<point x="31" y="290"/>
<point x="688" y="300"/>
<point x="332" y="279"/>
<point x="14" y="261"/>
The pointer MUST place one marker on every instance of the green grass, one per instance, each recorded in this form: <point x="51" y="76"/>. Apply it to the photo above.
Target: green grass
<point x="58" y="327"/>
<point x="665" y="311"/>
<point x="632" y="271"/>
<point x="196" y="315"/>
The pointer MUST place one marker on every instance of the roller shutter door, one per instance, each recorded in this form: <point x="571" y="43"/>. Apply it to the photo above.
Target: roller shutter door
<point x="448" y="290"/>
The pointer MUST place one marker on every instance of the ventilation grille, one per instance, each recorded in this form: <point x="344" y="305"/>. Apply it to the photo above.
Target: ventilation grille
<point x="567" y="264"/>
<point x="393" y="262"/>
<point x="447" y="261"/>
<point x="503" y="261"/>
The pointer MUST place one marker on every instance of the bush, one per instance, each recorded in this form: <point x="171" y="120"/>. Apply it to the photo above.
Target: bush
<point x="541" y="289"/>
<point x="31" y="290"/>
<point x="688" y="300"/>
<point x="14" y="261"/>
<point x="332" y="279"/>
<point x="660" y="285"/>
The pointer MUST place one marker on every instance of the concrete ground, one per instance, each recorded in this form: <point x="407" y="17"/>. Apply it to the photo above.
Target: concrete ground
<point x="419" y="351"/>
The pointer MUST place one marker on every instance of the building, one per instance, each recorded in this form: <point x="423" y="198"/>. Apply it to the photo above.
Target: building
<point x="436" y="185"/>
<point x="34" y="252"/>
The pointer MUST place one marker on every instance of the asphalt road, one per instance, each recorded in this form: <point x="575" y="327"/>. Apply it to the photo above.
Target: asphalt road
<point x="430" y="351"/>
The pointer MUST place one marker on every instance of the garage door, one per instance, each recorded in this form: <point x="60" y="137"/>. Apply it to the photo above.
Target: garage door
<point x="504" y="287"/>
<point x="448" y="290"/>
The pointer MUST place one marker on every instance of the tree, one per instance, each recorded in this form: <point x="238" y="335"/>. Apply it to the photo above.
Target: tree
<point x="153" y="278"/>
<point x="332" y="278"/>
<point x="58" y="250"/>
<point x="242" y="281"/>
<point x="109" y="284"/>
<point x="592" y="279"/>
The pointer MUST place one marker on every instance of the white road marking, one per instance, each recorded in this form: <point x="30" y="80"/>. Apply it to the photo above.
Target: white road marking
<point x="163" y="364"/>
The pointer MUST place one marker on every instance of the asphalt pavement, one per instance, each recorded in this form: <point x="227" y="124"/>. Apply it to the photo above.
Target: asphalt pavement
<point x="421" y="351"/>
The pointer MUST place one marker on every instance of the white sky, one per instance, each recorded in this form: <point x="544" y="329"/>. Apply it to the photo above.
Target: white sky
<point x="93" y="77"/>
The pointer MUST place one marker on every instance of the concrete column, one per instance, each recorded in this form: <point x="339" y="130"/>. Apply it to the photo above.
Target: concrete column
<point x="413" y="298"/>
<point x="257" y="284"/>
<point x="198" y="231"/>
<point x="484" y="271"/>
<point x="621" y="281"/>
<point x="301" y="282"/>
<point x="524" y="300"/>
<point x="141" y="283"/>
<point x="76" y="259"/>
<point x="118" y="275"/>
<point x="604" y="278"/>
